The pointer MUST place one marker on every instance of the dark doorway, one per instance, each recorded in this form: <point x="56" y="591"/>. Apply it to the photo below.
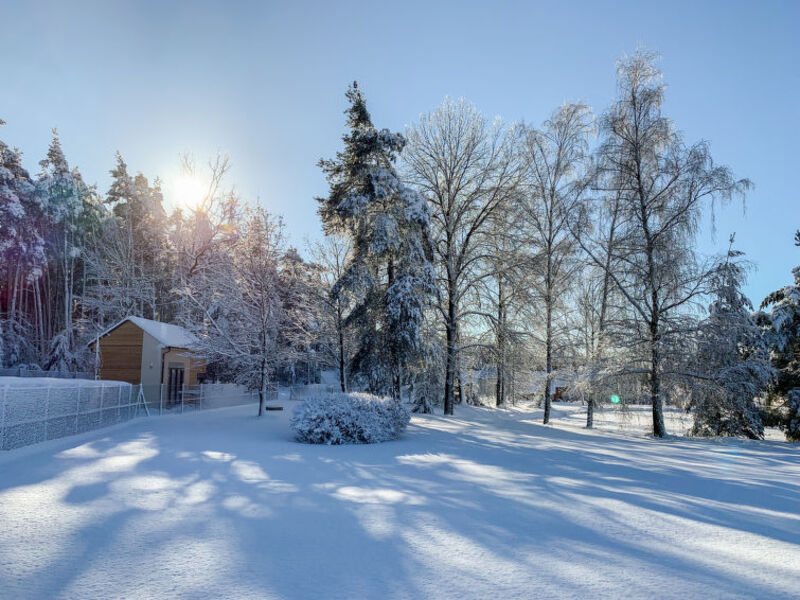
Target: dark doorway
<point x="175" y="385"/>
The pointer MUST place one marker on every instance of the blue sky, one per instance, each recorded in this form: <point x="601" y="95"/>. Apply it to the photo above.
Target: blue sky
<point x="265" y="83"/>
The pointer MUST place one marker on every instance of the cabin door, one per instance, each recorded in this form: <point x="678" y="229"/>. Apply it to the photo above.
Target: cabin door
<point x="175" y="385"/>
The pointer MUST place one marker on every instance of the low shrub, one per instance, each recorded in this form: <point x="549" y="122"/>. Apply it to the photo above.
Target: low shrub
<point x="338" y="418"/>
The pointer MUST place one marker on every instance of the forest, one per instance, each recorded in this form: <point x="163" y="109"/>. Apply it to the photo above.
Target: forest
<point x="465" y="260"/>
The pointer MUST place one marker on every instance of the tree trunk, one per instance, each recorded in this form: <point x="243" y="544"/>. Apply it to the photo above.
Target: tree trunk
<point x="655" y="384"/>
<point x="450" y="367"/>
<point x="262" y="392"/>
<point x="548" y="361"/>
<point x="342" y="381"/>
<point x="393" y="354"/>
<point x="501" y="350"/>
<point x="590" y="414"/>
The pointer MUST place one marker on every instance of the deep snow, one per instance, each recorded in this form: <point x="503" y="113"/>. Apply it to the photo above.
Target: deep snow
<point x="489" y="504"/>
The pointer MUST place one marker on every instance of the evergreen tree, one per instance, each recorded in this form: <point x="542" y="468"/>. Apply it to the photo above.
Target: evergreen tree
<point x="792" y="425"/>
<point x="389" y="269"/>
<point x="132" y="255"/>
<point x="779" y="317"/>
<point x="72" y="215"/>
<point x="22" y="254"/>
<point x="734" y="355"/>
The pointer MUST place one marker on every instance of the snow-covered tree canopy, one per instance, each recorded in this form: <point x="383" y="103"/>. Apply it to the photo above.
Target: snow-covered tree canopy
<point x="779" y="318"/>
<point x="389" y="269"/>
<point x="732" y="357"/>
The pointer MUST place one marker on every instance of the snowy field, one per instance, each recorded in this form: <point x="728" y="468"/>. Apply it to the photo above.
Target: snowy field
<point x="489" y="504"/>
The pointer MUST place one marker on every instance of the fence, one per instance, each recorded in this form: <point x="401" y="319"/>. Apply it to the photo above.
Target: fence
<point x="162" y="399"/>
<point x="38" y="412"/>
<point x="34" y="411"/>
<point x="27" y="372"/>
<point x="301" y="392"/>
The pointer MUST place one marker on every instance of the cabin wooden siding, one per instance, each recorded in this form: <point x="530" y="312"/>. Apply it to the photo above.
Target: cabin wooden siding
<point x="121" y="354"/>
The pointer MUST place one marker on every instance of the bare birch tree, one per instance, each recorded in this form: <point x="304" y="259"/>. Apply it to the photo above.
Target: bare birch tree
<point x="467" y="169"/>
<point x="332" y="256"/>
<point x="556" y="178"/>
<point x="663" y="184"/>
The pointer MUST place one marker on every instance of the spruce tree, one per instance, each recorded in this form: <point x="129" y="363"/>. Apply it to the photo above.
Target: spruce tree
<point x="779" y="319"/>
<point x="734" y="356"/>
<point x="389" y="270"/>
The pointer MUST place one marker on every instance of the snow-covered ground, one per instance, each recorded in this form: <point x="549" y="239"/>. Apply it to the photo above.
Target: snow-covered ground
<point x="489" y="504"/>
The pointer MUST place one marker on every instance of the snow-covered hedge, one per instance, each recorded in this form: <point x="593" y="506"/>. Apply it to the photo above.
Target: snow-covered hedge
<point x="338" y="418"/>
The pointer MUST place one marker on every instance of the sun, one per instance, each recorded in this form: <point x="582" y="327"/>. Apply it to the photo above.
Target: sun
<point x="187" y="191"/>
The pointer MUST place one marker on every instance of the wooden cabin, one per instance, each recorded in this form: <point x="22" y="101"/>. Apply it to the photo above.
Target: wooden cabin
<point x="141" y="351"/>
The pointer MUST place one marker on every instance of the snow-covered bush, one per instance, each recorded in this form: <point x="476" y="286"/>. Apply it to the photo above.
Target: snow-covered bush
<point x="349" y="419"/>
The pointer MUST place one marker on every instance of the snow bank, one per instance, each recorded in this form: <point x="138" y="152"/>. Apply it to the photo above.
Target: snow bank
<point x="349" y="419"/>
<point x="35" y="409"/>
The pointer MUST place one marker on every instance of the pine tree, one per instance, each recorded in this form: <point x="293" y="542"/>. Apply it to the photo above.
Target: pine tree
<point x="130" y="265"/>
<point x="22" y="254"/>
<point x="72" y="215"/>
<point x="389" y="269"/>
<point x="733" y="354"/>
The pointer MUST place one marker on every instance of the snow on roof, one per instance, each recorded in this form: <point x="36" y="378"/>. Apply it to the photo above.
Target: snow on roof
<point x="166" y="334"/>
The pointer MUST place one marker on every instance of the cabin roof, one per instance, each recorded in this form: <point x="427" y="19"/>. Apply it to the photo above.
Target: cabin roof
<point x="166" y="334"/>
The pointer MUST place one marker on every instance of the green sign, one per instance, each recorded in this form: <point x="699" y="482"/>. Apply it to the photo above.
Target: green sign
<point x="615" y="399"/>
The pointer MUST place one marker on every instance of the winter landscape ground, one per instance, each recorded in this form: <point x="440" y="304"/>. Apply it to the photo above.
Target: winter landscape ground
<point x="220" y="504"/>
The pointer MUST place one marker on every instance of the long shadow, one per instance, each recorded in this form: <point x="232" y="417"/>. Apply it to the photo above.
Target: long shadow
<point x="298" y="521"/>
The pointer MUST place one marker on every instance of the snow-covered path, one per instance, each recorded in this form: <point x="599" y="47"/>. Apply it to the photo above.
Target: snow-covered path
<point x="489" y="504"/>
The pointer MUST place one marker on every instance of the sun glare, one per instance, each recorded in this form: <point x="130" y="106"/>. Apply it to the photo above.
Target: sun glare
<point x="187" y="192"/>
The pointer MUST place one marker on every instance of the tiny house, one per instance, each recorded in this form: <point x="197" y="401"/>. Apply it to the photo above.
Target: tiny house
<point x="150" y="353"/>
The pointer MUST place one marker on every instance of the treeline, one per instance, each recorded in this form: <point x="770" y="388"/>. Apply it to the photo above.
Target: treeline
<point x="462" y="252"/>
<point x="74" y="262"/>
<point x="566" y="252"/>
